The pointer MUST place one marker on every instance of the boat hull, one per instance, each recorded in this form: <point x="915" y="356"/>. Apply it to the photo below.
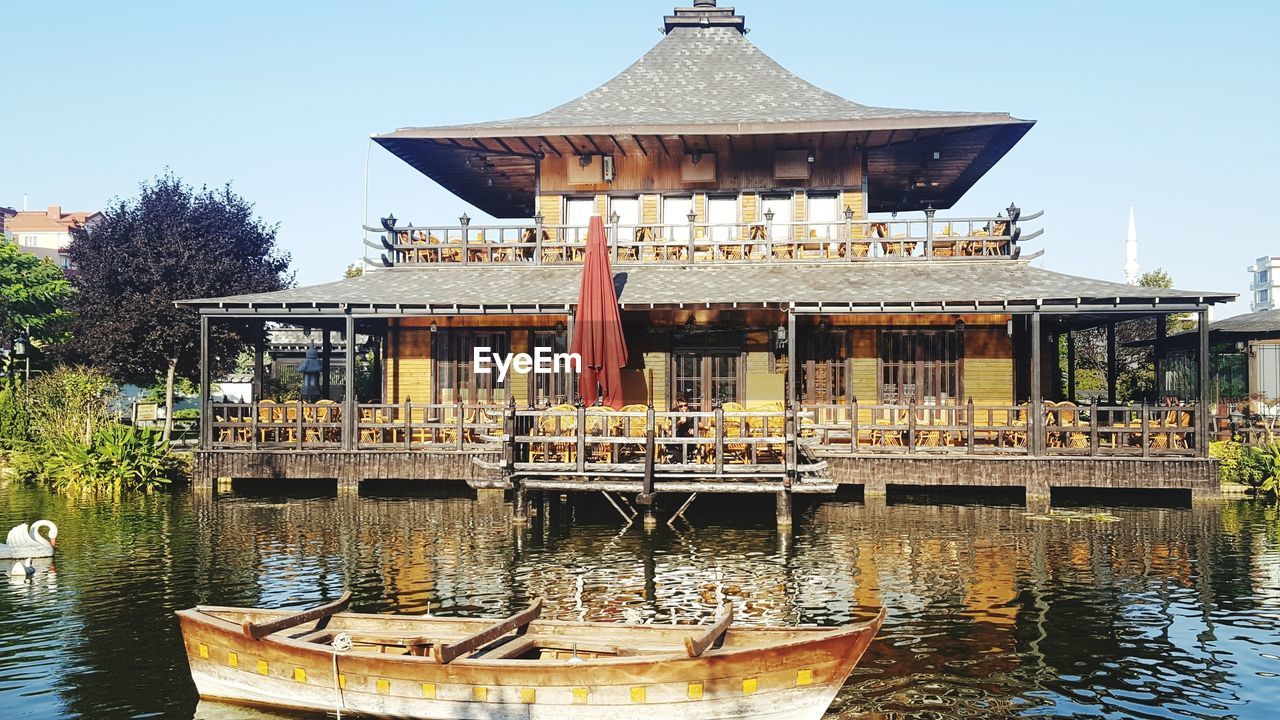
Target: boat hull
<point x="795" y="678"/>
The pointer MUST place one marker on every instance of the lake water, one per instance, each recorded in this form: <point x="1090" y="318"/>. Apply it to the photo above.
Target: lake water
<point x="1166" y="612"/>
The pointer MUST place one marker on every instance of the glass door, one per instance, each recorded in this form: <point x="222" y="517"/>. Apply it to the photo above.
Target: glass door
<point x="702" y="379"/>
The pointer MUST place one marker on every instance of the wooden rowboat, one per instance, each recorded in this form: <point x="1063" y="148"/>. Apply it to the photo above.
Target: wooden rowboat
<point x="406" y="666"/>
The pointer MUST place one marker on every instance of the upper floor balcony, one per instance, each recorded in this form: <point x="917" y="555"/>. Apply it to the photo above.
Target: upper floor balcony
<point x="771" y="239"/>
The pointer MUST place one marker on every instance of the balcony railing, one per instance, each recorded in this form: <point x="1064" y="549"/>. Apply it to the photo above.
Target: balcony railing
<point x="759" y="441"/>
<point x="537" y="243"/>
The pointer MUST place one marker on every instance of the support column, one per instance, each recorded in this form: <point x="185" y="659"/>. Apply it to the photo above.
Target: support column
<point x="1111" y="362"/>
<point x="1202" y="412"/>
<point x="349" y="386"/>
<point x="206" y="416"/>
<point x="326" y="349"/>
<point x="259" y="342"/>
<point x="1071" y="365"/>
<point x="792" y="341"/>
<point x="519" y="504"/>
<point x="784" y="509"/>
<point x="1162" y="331"/>
<point x="1036" y="406"/>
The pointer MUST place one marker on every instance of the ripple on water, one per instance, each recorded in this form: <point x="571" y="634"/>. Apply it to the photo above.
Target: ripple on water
<point x="1165" y="613"/>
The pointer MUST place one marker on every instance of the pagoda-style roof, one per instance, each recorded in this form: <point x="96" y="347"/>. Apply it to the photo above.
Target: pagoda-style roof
<point x="994" y="286"/>
<point x="700" y="87"/>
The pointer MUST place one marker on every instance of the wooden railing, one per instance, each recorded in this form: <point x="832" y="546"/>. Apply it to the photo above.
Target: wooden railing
<point x="686" y="243"/>
<point x="577" y="440"/>
<point x="969" y="429"/>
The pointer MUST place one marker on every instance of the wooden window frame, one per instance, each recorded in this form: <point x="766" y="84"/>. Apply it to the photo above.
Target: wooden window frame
<point x="704" y="376"/>
<point x="472" y="393"/>
<point x="957" y="398"/>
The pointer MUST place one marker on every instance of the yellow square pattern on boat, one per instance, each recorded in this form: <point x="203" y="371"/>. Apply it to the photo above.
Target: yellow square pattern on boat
<point x="749" y="686"/>
<point x="262" y="667"/>
<point x="528" y="695"/>
<point x="804" y="677"/>
<point x="233" y="659"/>
<point x="695" y="691"/>
<point x="299" y="674"/>
<point x="384" y="686"/>
<point x="637" y="694"/>
<point x="579" y="696"/>
<point x="429" y="691"/>
<point x="342" y="681"/>
<point x="480" y="694"/>
<point x="204" y="651"/>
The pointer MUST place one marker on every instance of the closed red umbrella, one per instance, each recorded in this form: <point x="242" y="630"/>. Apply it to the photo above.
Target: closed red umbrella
<point x="597" y="329"/>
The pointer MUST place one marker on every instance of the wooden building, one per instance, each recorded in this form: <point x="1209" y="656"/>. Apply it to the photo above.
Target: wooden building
<point x="781" y="263"/>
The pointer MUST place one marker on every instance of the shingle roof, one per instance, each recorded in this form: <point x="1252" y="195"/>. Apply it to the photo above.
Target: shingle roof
<point x="867" y="284"/>
<point x="706" y="76"/>
<point x="1266" y="321"/>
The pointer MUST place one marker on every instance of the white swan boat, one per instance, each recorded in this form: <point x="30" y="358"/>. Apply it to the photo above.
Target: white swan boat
<point x="26" y="541"/>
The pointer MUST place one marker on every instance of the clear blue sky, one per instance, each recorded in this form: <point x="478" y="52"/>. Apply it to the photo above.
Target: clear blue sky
<point x="1170" y="106"/>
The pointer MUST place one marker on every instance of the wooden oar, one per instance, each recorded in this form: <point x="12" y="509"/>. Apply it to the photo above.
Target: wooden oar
<point x="448" y="653"/>
<point x="696" y="646"/>
<point x="258" y="631"/>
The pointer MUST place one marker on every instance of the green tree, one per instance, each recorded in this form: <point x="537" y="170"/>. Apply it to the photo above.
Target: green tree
<point x="33" y="296"/>
<point x="170" y="243"/>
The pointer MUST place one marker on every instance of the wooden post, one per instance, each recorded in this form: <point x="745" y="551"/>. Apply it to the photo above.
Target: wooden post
<point x="509" y="437"/>
<point x="581" y="436"/>
<point x="300" y="429"/>
<point x="928" y="232"/>
<point x="650" y="453"/>
<point x="1146" y="429"/>
<point x="408" y="424"/>
<point x="784" y="509"/>
<point x="537" y="238"/>
<point x="911" y="425"/>
<point x="1093" y="427"/>
<point x="853" y="425"/>
<point x="718" y="409"/>
<point x="519" y="504"/>
<point x="790" y="438"/>
<point x="1202" y="412"/>
<point x="1162" y="332"/>
<point x="349" y="383"/>
<point x="968" y="414"/>
<point x="1071" y="365"/>
<point x="326" y="349"/>
<point x="792" y="342"/>
<point x="1036" y="406"/>
<point x="259" y="341"/>
<point x="206" y="410"/>
<point x="459" y="410"/>
<point x="1111" y="362"/>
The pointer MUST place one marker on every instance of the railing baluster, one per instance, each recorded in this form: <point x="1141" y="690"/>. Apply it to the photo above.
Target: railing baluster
<point x="719" y="438"/>
<point x="911" y="426"/>
<point x="581" y="437"/>
<point x="1146" y="429"/>
<point x="1093" y="428"/>
<point x="968" y="415"/>
<point x="853" y="425"/>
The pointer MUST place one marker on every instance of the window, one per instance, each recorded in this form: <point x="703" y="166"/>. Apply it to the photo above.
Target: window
<point x="921" y="366"/>
<point x="780" y="206"/>
<point x="453" y="372"/>
<point x="577" y="216"/>
<point x="1264" y="295"/>
<point x="824" y="377"/>
<point x="706" y="368"/>
<point x="31" y="240"/>
<point x="722" y="214"/>
<point x="1264" y="277"/>
<point x="675" y="213"/>
<point x="824" y="215"/>
<point x="555" y="388"/>
<point x="628" y="210"/>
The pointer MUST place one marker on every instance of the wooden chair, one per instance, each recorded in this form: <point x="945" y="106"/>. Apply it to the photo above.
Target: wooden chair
<point x="556" y="426"/>
<point x="889" y="431"/>
<point x="266" y="420"/>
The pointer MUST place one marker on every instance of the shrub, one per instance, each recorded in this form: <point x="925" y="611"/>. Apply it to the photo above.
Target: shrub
<point x="118" y="458"/>
<point x="1258" y="467"/>
<point x="187" y="414"/>
<point x="69" y="405"/>
<point x="14" y="423"/>
<point x="1228" y="453"/>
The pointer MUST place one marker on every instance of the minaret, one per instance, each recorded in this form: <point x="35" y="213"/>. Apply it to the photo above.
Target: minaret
<point x="1131" y="269"/>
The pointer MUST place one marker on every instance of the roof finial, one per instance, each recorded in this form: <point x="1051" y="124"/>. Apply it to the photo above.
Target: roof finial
<point x="704" y="13"/>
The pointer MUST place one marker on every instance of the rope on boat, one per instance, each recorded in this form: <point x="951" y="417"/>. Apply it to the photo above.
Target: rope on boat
<point x="341" y="643"/>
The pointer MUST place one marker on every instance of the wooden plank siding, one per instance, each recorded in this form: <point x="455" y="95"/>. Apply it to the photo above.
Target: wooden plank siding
<point x="734" y="171"/>
<point x="988" y="364"/>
